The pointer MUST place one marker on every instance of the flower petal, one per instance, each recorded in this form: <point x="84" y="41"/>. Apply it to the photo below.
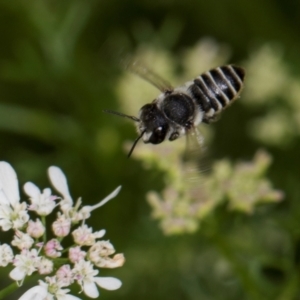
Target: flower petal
<point x="3" y="198"/>
<point x="35" y="293"/>
<point x="113" y="194"/>
<point x="110" y="196"/>
<point x="108" y="283"/>
<point x="67" y="297"/>
<point x="9" y="183"/>
<point x="90" y="289"/>
<point x="59" y="182"/>
<point x="31" y="190"/>
<point x="17" y="274"/>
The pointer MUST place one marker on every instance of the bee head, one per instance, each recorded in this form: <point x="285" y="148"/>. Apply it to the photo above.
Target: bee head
<point x="153" y="124"/>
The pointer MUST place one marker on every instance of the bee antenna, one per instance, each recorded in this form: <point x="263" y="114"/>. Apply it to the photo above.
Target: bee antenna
<point x="108" y="111"/>
<point x="134" y="144"/>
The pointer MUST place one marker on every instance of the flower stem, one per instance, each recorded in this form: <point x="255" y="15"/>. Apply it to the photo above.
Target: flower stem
<point x="241" y="270"/>
<point x="45" y="233"/>
<point x="8" y="290"/>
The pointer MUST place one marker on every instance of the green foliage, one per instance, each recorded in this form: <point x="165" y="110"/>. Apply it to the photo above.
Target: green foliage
<point x="60" y="67"/>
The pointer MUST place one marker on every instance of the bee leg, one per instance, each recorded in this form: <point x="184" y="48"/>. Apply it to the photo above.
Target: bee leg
<point x="189" y="125"/>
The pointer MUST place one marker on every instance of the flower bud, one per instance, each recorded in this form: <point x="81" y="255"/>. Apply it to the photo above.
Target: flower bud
<point x="76" y="254"/>
<point x="35" y="229"/>
<point x="52" y="248"/>
<point x="61" y="227"/>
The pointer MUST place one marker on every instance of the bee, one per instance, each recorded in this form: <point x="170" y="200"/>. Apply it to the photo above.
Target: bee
<point x="178" y="111"/>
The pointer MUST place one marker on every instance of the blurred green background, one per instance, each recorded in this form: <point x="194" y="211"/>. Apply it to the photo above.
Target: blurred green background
<point x="60" y="67"/>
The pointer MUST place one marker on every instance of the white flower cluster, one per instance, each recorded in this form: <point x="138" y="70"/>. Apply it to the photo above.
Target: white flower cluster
<point x="35" y="252"/>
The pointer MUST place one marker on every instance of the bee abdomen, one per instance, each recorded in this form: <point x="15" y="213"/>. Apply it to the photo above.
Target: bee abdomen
<point x="217" y="88"/>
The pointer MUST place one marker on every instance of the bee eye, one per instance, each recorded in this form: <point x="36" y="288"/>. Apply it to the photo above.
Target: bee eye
<point x="158" y="130"/>
<point x="158" y="134"/>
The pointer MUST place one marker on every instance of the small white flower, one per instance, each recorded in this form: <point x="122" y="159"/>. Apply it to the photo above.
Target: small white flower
<point x="22" y="240"/>
<point x="42" y="203"/>
<point x="84" y="235"/>
<point x="45" y="266"/>
<point x="25" y="264"/>
<point x="6" y="255"/>
<point x="13" y="216"/>
<point x="35" y="229"/>
<point x="54" y="287"/>
<point x="85" y="275"/>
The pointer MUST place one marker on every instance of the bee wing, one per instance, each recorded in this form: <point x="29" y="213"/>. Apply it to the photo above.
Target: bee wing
<point x="196" y="162"/>
<point x="195" y="146"/>
<point x="142" y="71"/>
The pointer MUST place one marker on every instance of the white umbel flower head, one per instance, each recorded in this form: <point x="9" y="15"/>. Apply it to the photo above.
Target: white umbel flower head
<point x="39" y="251"/>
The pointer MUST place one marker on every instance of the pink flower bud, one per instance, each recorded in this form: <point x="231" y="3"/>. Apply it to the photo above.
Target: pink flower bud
<point x="64" y="275"/>
<point x="75" y="254"/>
<point x="35" y="229"/>
<point x="107" y="262"/>
<point x="84" y="236"/>
<point x="61" y="227"/>
<point x="52" y="248"/>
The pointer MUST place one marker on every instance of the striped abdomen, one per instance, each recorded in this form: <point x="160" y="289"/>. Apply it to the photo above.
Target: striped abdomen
<point x="216" y="89"/>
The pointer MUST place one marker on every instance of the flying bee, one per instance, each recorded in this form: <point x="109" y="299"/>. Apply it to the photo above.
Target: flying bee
<point x="178" y="111"/>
